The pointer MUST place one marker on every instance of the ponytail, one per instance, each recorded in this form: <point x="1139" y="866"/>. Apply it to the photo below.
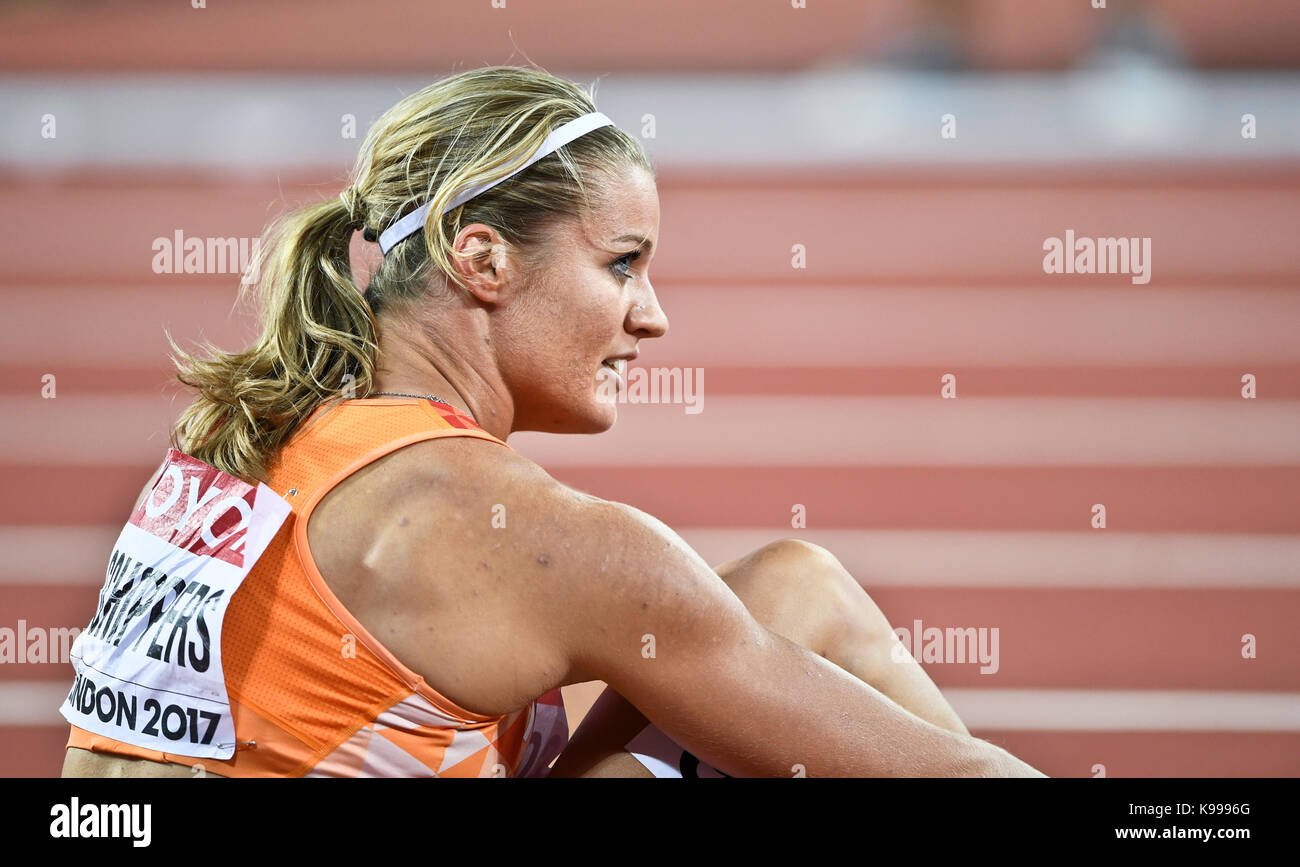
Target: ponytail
<point x="318" y="342"/>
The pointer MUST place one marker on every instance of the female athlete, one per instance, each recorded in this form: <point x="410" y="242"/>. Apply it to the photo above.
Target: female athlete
<point x="430" y="589"/>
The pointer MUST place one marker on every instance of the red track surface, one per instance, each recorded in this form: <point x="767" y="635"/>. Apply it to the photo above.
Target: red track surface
<point x="909" y="276"/>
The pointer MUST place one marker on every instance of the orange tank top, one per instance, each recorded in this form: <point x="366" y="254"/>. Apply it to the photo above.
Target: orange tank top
<point x="312" y="692"/>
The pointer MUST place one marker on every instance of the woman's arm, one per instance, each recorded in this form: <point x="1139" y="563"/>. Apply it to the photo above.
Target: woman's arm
<point x="627" y="601"/>
<point x="737" y="695"/>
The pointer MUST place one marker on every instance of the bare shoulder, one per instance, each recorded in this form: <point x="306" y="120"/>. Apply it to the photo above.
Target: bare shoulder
<point x="470" y="563"/>
<point x="477" y="467"/>
<point x="551" y="526"/>
<point x="583" y="578"/>
<point x="539" y="523"/>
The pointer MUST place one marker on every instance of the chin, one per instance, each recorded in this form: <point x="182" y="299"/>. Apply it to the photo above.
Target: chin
<point x="595" y="417"/>
<point x="599" y="419"/>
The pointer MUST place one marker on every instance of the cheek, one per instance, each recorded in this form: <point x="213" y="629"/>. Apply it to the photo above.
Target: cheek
<point x="587" y="322"/>
<point x="554" y="347"/>
<point x="565" y="328"/>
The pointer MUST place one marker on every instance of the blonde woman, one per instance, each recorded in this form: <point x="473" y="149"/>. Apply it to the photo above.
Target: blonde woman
<point x="431" y="589"/>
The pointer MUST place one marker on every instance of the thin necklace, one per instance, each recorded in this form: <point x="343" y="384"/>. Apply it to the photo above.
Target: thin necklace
<point x="404" y="394"/>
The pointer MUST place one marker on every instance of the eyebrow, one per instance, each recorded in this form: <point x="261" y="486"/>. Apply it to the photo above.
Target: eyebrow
<point x="641" y="240"/>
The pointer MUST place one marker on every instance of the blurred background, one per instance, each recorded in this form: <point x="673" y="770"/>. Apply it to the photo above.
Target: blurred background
<point x="914" y="157"/>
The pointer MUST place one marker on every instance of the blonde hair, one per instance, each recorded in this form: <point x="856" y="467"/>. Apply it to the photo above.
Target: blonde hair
<point x="319" y="337"/>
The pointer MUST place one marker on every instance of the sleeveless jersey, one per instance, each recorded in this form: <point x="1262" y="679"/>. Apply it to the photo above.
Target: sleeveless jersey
<point x="302" y="706"/>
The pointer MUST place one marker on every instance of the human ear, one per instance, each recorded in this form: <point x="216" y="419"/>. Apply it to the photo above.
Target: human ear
<point x="480" y="257"/>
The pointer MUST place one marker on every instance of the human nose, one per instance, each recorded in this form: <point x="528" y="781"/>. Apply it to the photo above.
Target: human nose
<point x="647" y="317"/>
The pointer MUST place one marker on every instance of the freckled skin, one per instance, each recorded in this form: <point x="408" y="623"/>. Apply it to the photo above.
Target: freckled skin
<point x="575" y="314"/>
<point x="519" y="346"/>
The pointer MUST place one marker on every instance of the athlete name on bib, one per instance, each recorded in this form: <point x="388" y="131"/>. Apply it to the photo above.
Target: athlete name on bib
<point x="148" y="667"/>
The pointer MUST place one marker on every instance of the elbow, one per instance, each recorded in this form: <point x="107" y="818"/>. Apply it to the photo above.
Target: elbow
<point x="969" y="756"/>
<point x="987" y="760"/>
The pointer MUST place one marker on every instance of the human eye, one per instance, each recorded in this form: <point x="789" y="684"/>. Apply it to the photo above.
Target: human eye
<point x="623" y="264"/>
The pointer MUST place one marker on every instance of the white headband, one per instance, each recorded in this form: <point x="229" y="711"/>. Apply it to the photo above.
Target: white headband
<point x="559" y="137"/>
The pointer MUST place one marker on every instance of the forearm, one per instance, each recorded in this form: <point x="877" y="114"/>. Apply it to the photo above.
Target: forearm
<point x="848" y="728"/>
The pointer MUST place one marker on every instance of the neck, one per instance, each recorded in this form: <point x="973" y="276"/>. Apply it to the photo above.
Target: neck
<point x="409" y="362"/>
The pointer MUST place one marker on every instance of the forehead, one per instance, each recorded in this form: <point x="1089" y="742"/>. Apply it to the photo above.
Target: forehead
<point x="627" y="204"/>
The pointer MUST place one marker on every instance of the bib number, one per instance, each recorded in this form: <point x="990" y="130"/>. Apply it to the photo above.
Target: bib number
<point x="148" y="667"/>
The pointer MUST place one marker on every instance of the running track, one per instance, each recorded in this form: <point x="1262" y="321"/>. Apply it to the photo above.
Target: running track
<point x="1119" y="647"/>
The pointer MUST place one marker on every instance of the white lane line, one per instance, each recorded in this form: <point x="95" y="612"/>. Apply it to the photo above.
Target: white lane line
<point x="1090" y="559"/>
<point x="43" y="556"/>
<point x="734" y="430"/>
<point x="1125" y="710"/>
<point x="1010" y="709"/>
<point x="799" y="325"/>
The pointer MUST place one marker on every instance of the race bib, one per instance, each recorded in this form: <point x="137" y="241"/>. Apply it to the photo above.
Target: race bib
<point x="149" y="664"/>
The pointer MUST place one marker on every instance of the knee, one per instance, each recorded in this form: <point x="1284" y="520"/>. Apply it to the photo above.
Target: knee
<point x="846" y="608"/>
<point x="807" y="554"/>
<point x="809" y="585"/>
<point x="809" y="568"/>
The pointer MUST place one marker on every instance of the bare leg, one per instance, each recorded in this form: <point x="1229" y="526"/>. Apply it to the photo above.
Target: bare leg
<point x="801" y="592"/>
